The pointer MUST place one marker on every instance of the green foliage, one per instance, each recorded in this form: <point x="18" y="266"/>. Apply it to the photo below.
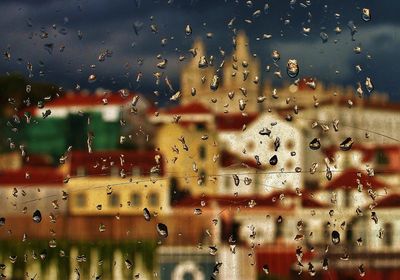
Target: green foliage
<point x="129" y="249"/>
<point x="14" y="86"/>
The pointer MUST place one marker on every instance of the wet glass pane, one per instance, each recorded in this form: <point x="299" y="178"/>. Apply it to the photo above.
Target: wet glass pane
<point x="186" y="139"/>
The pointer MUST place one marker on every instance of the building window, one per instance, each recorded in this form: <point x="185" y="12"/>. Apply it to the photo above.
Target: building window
<point x="227" y="182"/>
<point x="81" y="200"/>
<point x="279" y="227"/>
<point x="347" y="198"/>
<point x="202" y="176"/>
<point x="113" y="200"/>
<point x="114" y="171"/>
<point x="136" y="199"/>
<point x="202" y="152"/>
<point x="81" y="171"/>
<point x="388" y="234"/>
<point x="200" y="126"/>
<point x="381" y="158"/>
<point x="135" y="171"/>
<point x="289" y="145"/>
<point x="153" y="199"/>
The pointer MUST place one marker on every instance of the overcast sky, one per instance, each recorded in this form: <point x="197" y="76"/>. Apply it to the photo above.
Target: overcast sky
<point x="34" y="32"/>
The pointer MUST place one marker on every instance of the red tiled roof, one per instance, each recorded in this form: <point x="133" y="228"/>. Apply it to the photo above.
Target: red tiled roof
<point x="349" y="177"/>
<point x="310" y="202"/>
<point x="37" y="177"/>
<point x="279" y="258"/>
<point x="100" y="163"/>
<point x="271" y="200"/>
<point x="191" y="108"/>
<point x="368" y="151"/>
<point x="228" y="159"/>
<point x="80" y="99"/>
<point x="391" y="201"/>
<point x="302" y="85"/>
<point x="233" y="121"/>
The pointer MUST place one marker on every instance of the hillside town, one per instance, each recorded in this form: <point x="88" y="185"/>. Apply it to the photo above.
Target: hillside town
<point x="250" y="181"/>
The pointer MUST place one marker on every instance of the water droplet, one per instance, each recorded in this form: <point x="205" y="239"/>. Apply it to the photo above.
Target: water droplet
<point x="203" y="63"/>
<point x="325" y="264"/>
<point x="236" y="179"/>
<point x="162" y="64"/>
<point x="366" y="14"/>
<point x="335" y="237"/>
<point x="37" y="216"/>
<point x="374" y="217"/>
<point x="188" y="30"/>
<point x="128" y="264"/>
<point x="213" y="250"/>
<point x="369" y="85"/>
<point x="242" y="104"/>
<point x="273" y="160"/>
<point x="265" y="269"/>
<point x="346" y="144"/>
<point x="324" y="37"/>
<point x="292" y="68"/>
<point x="214" y="83"/>
<point x="146" y="214"/>
<point x="92" y="78"/>
<point x="53" y="243"/>
<point x="275" y="55"/>
<point x="315" y="144"/>
<point x="162" y="230"/>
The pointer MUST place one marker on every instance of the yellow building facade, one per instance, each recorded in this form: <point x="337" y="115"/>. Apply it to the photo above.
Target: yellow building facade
<point x="113" y="195"/>
<point x="190" y="160"/>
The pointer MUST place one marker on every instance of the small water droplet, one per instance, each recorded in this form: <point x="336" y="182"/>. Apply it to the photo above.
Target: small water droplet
<point x="324" y="37"/>
<point x="92" y="78"/>
<point x="188" y="30"/>
<point x="275" y="55"/>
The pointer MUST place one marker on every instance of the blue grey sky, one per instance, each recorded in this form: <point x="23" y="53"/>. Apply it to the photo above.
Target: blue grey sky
<point x="35" y="32"/>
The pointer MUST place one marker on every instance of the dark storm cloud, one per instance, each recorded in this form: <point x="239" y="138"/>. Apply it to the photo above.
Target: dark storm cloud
<point x="110" y="25"/>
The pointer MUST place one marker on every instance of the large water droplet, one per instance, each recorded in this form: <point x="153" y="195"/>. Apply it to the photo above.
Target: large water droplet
<point x="335" y="237"/>
<point x="273" y="160"/>
<point x="292" y="68"/>
<point x="346" y="144"/>
<point x="37" y="216"/>
<point x="203" y="63"/>
<point x="315" y="144"/>
<point x="265" y="269"/>
<point x="128" y="264"/>
<point x="162" y="230"/>
<point x="366" y="14"/>
<point x="214" y="83"/>
<point x="146" y="214"/>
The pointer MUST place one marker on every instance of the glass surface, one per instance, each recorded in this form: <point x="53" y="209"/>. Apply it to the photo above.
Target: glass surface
<point x="195" y="140"/>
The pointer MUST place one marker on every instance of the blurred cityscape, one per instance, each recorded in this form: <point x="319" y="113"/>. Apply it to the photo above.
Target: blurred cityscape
<point x="238" y="180"/>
